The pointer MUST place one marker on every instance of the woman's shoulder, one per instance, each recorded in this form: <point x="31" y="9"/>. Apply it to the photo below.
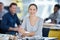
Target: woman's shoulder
<point x="40" y="18"/>
<point x="25" y="18"/>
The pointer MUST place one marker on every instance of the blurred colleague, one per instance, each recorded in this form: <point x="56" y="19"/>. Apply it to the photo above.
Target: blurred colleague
<point x="56" y="32"/>
<point x="58" y="18"/>
<point x="54" y="16"/>
<point x="10" y="19"/>
<point x="2" y="12"/>
<point x="32" y="25"/>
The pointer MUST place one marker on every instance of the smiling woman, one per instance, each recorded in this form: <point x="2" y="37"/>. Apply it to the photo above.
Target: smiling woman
<point x="32" y="23"/>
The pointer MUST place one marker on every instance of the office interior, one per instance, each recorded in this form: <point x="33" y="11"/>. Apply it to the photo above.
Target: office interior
<point x="45" y="9"/>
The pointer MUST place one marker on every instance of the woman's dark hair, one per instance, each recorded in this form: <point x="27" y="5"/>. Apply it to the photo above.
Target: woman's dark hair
<point x="33" y="5"/>
<point x="1" y="3"/>
<point x="58" y="6"/>
<point x="12" y="4"/>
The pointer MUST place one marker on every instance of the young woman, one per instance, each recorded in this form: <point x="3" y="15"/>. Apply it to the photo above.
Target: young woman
<point x="32" y="25"/>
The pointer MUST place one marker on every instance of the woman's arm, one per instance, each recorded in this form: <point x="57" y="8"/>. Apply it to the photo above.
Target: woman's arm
<point x="31" y="34"/>
<point x="28" y="34"/>
<point x="23" y="32"/>
<point x="39" y="30"/>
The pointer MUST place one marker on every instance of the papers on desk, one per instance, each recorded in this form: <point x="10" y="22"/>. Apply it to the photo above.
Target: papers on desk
<point x="6" y="37"/>
<point x="51" y="26"/>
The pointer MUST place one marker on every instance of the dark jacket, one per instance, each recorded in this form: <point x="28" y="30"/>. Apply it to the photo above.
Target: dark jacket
<point x="9" y="20"/>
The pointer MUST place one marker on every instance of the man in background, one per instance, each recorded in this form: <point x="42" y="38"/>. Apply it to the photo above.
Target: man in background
<point x="53" y="18"/>
<point x="10" y="19"/>
<point x="54" y="15"/>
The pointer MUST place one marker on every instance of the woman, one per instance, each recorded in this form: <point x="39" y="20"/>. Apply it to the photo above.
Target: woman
<point x="32" y="25"/>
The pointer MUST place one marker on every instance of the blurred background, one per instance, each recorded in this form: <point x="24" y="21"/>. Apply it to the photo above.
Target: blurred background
<point x="45" y="7"/>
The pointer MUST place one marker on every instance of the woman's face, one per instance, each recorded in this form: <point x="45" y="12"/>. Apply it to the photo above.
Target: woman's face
<point x="32" y="10"/>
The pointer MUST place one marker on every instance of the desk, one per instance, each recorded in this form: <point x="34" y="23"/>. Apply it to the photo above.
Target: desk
<point x="6" y="37"/>
<point x="55" y="30"/>
<point x="51" y="26"/>
<point x="42" y="38"/>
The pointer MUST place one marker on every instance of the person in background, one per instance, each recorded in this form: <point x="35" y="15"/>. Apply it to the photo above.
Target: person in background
<point x="56" y="32"/>
<point x="32" y="25"/>
<point x="53" y="18"/>
<point x="58" y="18"/>
<point x="2" y="12"/>
<point x="9" y="20"/>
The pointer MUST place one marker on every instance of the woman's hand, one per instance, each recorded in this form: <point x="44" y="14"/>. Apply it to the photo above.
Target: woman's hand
<point x="21" y="30"/>
<point x="31" y="34"/>
<point x="28" y="34"/>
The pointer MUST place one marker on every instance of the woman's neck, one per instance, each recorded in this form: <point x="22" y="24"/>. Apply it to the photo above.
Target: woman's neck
<point x="32" y="16"/>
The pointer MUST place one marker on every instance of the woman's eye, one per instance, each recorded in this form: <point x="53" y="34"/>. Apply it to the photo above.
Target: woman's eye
<point x="30" y="9"/>
<point x="33" y="9"/>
